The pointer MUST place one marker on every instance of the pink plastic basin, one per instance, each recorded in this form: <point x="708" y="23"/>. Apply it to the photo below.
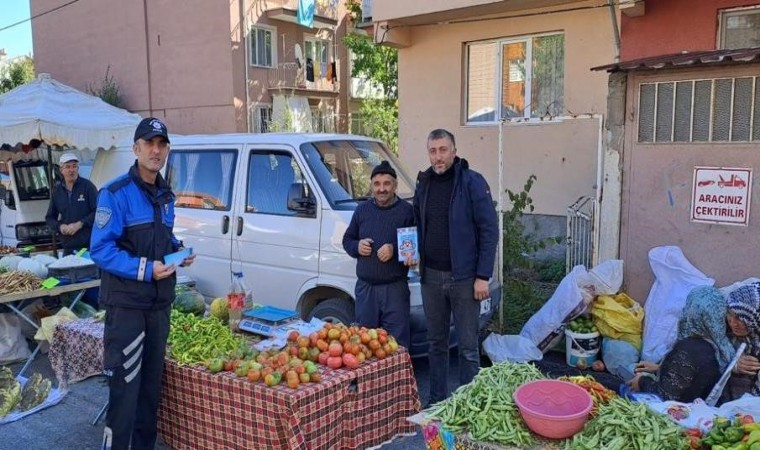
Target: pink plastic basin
<point x="553" y="409"/>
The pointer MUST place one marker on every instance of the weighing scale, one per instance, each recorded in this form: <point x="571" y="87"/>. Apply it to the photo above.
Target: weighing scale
<point x="266" y="320"/>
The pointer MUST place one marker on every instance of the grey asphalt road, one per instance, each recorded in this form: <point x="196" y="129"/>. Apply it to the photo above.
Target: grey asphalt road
<point x="68" y="425"/>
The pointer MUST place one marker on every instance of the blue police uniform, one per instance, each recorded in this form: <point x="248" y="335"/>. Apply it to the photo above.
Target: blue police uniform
<point x="133" y="228"/>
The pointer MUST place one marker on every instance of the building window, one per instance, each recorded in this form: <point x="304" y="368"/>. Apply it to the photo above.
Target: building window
<point x="318" y="50"/>
<point x="519" y="78"/>
<point x="261" y="118"/>
<point x="740" y="28"/>
<point x="262" y="47"/>
<point x="708" y="110"/>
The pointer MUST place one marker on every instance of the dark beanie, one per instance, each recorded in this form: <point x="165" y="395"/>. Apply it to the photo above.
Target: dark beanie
<point x="383" y="167"/>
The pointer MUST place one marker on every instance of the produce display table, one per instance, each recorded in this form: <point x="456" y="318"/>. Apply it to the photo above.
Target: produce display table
<point x="351" y="409"/>
<point x="15" y="303"/>
<point x="348" y="409"/>
<point x="76" y="352"/>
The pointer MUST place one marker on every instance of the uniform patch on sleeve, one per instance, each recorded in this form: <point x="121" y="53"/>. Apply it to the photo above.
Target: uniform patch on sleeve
<point x="102" y="216"/>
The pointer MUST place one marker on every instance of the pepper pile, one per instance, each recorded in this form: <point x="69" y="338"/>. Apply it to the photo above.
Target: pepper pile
<point x="194" y="340"/>
<point x="738" y="434"/>
<point x="599" y="393"/>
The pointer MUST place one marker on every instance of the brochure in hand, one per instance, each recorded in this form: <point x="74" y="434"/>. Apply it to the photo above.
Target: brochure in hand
<point x="407" y="244"/>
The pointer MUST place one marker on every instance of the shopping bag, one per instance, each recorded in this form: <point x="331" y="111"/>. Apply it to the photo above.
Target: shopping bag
<point x="618" y="317"/>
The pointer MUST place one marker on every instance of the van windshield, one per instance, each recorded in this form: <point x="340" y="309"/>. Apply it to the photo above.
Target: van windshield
<point x="32" y="180"/>
<point x="343" y="169"/>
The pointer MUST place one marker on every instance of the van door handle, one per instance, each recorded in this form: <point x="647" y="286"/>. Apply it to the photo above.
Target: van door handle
<point x="239" y="225"/>
<point x="225" y="224"/>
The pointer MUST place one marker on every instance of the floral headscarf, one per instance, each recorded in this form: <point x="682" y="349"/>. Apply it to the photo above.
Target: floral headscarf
<point x="745" y="303"/>
<point x="704" y="316"/>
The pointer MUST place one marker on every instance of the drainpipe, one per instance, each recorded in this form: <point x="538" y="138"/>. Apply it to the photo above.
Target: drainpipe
<point x="147" y="58"/>
<point x="615" y="30"/>
<point x="244" y="42"/>
<point x="500" y="211"/>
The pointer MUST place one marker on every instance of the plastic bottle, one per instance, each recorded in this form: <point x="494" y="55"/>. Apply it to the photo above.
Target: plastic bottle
<point x="236" y="300"/>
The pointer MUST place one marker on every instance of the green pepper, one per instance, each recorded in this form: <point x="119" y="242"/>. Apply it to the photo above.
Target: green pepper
<point x="754" y="437"/>
<point x="733" y="434"/>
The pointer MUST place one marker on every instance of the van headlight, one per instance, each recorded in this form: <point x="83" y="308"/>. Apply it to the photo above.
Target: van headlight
<point x="32" y="231"/>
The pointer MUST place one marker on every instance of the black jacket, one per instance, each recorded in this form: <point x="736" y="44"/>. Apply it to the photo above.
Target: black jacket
<point x="473" y="223"/>
<point x="65" y="209"/>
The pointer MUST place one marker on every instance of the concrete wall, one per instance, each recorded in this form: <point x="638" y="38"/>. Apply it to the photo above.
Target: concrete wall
<point x="180" y="69"/>
<point x="665" y="29"/>
<point x="562" y="154"/>
<point x="657" y="190"/>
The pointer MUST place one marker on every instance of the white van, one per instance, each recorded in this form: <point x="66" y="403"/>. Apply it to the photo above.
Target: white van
<point x="275" y="207"/>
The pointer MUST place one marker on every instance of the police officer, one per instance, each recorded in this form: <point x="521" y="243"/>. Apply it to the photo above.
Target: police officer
<point x="72" y="206"/>
<point x="132" y="234"/>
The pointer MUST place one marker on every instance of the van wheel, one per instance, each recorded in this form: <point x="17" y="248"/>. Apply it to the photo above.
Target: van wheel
<point x="334" y="310"/>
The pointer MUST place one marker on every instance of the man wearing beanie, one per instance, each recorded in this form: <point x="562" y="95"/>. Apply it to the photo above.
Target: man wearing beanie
<point x="133" y="233"/>
<point x="458" y="234"/>
<point x="382" y="289"/>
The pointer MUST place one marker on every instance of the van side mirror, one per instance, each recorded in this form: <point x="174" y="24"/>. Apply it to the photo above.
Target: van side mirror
<point x="299" y="201"/>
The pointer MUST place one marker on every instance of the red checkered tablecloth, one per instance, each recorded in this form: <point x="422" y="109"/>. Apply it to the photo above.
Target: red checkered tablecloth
<point x="76" y="352"/>
<point x="349" y="409"/>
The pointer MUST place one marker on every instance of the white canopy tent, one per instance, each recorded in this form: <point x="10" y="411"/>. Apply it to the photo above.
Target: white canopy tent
<point x="61" y="117"/>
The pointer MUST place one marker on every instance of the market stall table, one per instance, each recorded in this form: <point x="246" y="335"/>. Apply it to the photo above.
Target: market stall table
<point x="352" y="409"/>
<point x="15" y="303"/>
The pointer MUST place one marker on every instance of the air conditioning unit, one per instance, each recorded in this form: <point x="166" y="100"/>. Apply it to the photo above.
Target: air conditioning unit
<point x="632" y="8"/>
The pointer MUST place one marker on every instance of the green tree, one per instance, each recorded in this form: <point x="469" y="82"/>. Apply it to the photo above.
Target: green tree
<point x="20" y="71"/>
<point x="378" y="64"/>
<point x="108" y="91"/>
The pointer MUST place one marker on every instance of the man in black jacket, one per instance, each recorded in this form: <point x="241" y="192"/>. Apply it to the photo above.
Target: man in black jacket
<point x="458" y="235"/>
<point x="72" y="206"/>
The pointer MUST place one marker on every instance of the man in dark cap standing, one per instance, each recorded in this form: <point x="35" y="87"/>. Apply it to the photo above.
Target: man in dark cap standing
<point x="382" y="289"/>
<point x="132" y="235"/>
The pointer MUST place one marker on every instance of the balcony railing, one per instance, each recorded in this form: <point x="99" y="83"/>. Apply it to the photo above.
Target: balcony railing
<point x="290" y="76"/>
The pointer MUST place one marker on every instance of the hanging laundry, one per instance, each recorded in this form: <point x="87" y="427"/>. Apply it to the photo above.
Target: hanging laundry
<point x="317" y="70"/>
<point x="305" y="13"/>
<point x="323" y="70"/>
<point x="330" y="73"/>
<point x="309" y="69"/>
<point x="334" y="71"/>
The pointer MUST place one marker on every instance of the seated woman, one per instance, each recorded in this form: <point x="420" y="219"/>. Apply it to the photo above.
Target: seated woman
<point x="702" y="351"/>
<point x="744" y="324"/>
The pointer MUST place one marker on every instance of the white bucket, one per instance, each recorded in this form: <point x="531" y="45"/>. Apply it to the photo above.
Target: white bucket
<point x="581" y="349"/>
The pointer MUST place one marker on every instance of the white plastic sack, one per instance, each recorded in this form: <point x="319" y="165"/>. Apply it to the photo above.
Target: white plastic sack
<point x="607" y="277"/>
<point x="675" y="277"/>
<point x="699" y="415"/>
<point x="568" y="296"/>
<point x="510" y="347"/>
<point x="13" y="346"/>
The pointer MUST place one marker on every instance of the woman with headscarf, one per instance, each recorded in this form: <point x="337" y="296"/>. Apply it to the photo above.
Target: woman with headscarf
<point x="702" y="351"/>
<point x="744" y="324"/>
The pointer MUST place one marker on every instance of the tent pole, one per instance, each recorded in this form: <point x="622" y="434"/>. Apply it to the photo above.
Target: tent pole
<point x="51" y="186"/>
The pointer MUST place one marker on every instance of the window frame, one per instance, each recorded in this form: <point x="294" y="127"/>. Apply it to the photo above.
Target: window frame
<point x="256" y="115"/>
<point x="314" y="39"/>
<point x="230" y="201"/>
<point x="724" y="14"/>
<point x="499" y="76"/>
<point x="272" y="49"/>
<point x="248" y="179"/>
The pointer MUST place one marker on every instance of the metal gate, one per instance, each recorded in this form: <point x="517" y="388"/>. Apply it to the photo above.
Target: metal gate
<point x="580" y="233"/>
